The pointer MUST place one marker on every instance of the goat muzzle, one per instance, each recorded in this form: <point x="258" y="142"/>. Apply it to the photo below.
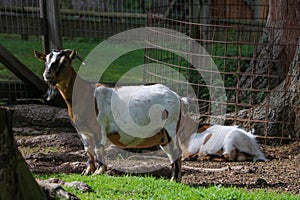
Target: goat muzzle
<point x="49" y="77"/>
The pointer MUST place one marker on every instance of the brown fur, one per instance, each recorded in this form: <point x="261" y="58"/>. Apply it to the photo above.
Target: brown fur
<point x="207" y="138"/>
<point x="161" y="138"/>
<point x="203" y="128"/>
<point x="64" y="82"/>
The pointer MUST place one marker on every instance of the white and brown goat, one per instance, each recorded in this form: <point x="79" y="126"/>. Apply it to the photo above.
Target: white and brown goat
<point x="146" y="115"/>
<point x="222" y="143"/>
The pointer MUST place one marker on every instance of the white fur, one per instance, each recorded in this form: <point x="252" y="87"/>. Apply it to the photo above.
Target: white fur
<point x="52" y="59"/>
<point x="137" y="112"/>
<point x="228" y="138"/>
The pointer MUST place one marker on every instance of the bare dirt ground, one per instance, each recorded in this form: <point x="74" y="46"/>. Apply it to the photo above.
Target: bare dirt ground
<point x="50" y="145"/>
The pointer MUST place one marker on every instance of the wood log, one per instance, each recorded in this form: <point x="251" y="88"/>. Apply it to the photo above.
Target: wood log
<point x="16" y="181"/>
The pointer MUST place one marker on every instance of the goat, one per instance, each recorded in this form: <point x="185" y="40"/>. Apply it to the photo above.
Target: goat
<point x="141" y="117"/>
<point x="60" y="75"/>
<point x="164" y="119"/>
<point x="229" y="142"/>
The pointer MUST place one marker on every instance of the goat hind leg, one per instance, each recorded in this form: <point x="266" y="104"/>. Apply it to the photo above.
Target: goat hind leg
<point x="176" y="170"/>
<point x="174" y="153"/>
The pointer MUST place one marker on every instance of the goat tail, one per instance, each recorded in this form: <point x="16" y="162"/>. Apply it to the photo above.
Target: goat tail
<point x="184" y="100"/>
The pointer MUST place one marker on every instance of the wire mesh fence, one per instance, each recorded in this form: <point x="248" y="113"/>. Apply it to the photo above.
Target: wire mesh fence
<point x="19" y="28"/>
<point x="83" y="25"/>
<point x="232" y="32"/>
<point x="235" y="37"/>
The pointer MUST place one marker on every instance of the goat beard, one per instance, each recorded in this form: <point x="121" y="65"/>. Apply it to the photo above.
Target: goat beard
<point x="51" y="92"/>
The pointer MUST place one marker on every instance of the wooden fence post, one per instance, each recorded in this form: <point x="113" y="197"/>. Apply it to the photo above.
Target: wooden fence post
<point x="16" y="181"/>
<point x="50" y="13"/>
<point x="27" y="76"/>
<point x="44" y="24"/>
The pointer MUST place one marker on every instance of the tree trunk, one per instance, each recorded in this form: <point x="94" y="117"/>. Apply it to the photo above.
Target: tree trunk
<point x="199" y="13"/>
<point x="16" y="181"/>
<point x="282" y="106"/>
<point x="276" y="49"/>
<point x="274" y="71"/>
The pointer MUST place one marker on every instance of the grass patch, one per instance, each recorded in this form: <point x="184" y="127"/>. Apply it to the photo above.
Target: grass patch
<point x="23" y="50"/>
<point x="135" y="187"/>
<point x="27" y="150"/>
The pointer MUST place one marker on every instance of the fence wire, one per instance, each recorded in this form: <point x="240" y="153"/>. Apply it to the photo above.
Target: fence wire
<point x="232" y="32"/>
<point x="234" y="36"/>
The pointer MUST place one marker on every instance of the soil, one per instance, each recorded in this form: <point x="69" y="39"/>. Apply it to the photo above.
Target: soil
<point x="50" y="144"/>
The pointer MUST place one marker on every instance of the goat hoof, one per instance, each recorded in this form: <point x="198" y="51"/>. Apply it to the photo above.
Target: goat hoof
<point x="173" y="178"/>
<point x="226" y="157"/>
<point x="100" y="170"/>
<point x="89" y="170"/>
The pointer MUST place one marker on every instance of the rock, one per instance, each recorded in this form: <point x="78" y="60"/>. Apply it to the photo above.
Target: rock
<point x="55" y="190"/>
<point x="83" y="187"/>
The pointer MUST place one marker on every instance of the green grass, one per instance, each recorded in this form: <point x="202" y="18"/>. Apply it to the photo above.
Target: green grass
<point x="23" y="50"/>
<point x="26" y="151"/>
<point x="135" y="187"/>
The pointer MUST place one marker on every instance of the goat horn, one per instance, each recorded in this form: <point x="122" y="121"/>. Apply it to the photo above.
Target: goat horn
<point x="72" y="52"/>
<point x="80" y="58"/>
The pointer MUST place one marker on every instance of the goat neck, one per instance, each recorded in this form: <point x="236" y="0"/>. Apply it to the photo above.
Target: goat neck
<point x="65" y="87"/>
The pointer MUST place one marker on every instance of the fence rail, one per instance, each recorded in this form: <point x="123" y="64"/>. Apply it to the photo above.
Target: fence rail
<point x="74" y="23"/>
<point x="12" y="90"/>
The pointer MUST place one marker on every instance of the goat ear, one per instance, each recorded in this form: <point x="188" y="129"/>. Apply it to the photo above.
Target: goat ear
<point x="40" y="56"/>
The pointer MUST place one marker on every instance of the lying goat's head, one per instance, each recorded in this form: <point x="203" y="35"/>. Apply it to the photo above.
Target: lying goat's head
<point x="57" y="65"/>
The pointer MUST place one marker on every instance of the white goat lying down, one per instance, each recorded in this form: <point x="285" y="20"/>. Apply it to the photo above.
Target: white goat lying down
<point x="132" y="116"/>
<point x="229" y="142"/>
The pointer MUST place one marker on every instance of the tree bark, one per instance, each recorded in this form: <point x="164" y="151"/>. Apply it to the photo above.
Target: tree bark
<point x="282" y="105"/>
<point x="275" y="72"/>
<point x="16" y="181"/>
<point x="276" y="49"/>
<point x="199" y="13"/>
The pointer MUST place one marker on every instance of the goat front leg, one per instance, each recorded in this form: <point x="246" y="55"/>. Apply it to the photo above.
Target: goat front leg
<point x="90" y="165"/>
<point x="100" y="155"/>
<point x="88" y="147"/>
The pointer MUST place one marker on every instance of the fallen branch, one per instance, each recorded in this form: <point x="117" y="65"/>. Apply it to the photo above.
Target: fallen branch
<point x="146" y="157"/>
<point x="227" y="168"/>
